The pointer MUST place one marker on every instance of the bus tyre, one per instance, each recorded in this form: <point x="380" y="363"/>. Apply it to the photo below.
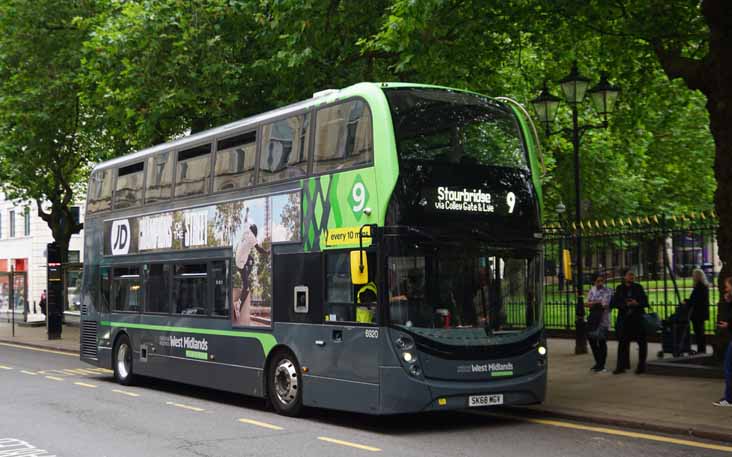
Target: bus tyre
<point x="123" y="361"/>
<point x="285" y="384"/>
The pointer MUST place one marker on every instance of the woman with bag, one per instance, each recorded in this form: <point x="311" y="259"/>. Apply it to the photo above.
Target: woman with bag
<point x="598" y="322"/>
<point x="698" y="307"/>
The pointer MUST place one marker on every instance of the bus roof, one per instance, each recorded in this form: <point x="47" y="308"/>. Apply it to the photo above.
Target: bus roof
<point x="319" y="98"/>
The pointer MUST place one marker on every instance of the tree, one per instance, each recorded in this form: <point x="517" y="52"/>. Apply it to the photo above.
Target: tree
<point x="159" y="69"/>
<point x="44" y="148"/>
<point x="154" y="70"/>
<point x="659" y="152"/>
<point x="691" y="41"/>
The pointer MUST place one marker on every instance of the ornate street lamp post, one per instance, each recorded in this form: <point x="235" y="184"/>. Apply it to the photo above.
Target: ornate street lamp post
<point x="603" y="96"/>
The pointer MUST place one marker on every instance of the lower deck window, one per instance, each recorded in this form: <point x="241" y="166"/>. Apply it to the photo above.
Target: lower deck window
<point x="220" y="279"/>
<point x="202" y="288"/>
<point x="126" y="289"/>
<point x="157" y="288"/>
<point x="189" y="289"/>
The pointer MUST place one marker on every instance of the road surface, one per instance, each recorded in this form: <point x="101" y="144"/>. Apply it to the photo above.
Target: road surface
<point x="51" y="404"/>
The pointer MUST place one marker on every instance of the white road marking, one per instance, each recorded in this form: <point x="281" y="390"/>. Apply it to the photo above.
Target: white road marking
<point x="124" y="392"/>
<point x="181" y="405"/>
<point x="349" y="444"/>
<point x="13" y="446"/>
<point x="260" y="424"/>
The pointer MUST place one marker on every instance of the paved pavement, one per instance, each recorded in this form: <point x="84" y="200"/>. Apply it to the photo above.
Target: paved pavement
<point x="54" y="403"/>
<point x="651" y="402"/>
<point x="659" y="403"/>
<point x="36" y="336"/>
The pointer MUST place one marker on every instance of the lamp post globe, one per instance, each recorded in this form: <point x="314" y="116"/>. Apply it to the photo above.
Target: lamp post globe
<point x="561" y="208"/>
<point x="546" y="106"/>
<point x="603" y="96"/>
<point x="574" y="86"/>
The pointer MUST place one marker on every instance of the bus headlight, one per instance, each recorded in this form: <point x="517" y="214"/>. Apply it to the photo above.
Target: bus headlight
<point x="408" y="357"/>
<point x="542" y="350"/>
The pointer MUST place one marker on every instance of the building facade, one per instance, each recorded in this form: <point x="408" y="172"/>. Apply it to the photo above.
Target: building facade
<point x="23" y="240"/>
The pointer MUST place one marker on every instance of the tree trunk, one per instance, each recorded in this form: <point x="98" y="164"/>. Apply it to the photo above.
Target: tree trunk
<point x="717" y="86"/>
<point x="718" y="89"/>
<point x="59" y="220"/>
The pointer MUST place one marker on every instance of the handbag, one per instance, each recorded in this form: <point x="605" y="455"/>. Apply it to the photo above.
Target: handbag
<point x="598" y="334"/>
<point x="651" y="323"/>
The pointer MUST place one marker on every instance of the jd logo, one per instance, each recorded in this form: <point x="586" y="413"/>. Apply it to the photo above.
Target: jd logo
<point x="120" y="237"/>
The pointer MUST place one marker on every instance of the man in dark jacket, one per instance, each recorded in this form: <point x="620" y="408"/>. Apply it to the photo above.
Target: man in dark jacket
<point x="724" y="324"/>
<point x="630" y="300"/>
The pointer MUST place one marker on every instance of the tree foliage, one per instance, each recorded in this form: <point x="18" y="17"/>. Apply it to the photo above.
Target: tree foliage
<point x="44" y="146"/>
<point x="122" y="76"/>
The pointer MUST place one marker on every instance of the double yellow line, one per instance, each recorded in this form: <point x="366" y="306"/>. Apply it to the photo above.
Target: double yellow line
<point x="615" y="432"/>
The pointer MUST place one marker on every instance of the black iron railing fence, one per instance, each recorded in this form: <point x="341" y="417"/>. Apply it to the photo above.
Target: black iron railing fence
<point x="663" y="252"/>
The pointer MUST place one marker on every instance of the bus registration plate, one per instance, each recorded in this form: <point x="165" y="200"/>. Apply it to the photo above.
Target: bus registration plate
<point x="485" y="400"/>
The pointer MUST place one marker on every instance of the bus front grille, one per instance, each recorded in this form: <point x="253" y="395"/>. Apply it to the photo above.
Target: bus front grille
<point x="89" y="339"/>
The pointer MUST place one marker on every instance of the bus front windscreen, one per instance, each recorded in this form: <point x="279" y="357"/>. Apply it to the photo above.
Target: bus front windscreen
<point x="454" y="127"/>
<point x="442" y="291"/>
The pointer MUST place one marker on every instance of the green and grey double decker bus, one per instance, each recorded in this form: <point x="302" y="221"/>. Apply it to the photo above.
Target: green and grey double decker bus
<point x="373" y="249"/>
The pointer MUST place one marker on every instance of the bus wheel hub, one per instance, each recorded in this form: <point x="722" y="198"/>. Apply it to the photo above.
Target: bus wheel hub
<point x="124" y="357"/>
<point x="286" y="382"/>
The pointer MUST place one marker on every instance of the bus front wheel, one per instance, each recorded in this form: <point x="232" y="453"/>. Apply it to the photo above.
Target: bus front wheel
<point x="123" y="361"/>
<point x="285" y="384"/>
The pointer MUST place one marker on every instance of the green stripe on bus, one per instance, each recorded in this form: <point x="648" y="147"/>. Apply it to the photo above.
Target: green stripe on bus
<point x="498" y="374"/>
<point x="196" y="355"/>
<point x="267" y="340"/>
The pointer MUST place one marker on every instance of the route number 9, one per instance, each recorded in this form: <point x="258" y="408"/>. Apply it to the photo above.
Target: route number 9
<point x="359" y="196"/>
<point x="511" y="201"/>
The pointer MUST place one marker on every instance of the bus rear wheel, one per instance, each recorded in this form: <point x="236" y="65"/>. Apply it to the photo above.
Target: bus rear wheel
<point x="123" y="361"/>
<point x="285" y="384"/>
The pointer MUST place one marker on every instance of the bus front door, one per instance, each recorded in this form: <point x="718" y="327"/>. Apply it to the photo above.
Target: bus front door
<point x="344" y="370"/>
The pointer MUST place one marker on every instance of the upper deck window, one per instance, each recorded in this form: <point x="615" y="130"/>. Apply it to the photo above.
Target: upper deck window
<point x="454" y="127"/>
<point x="194" y="171"/>
<point x="159" y="178"/>
<point x="100" y="191"/>
<point x="285" y="149"/>
<point x="128" y="191"/>
<point x="343" y="137"/>
<point x="235" y="159"/>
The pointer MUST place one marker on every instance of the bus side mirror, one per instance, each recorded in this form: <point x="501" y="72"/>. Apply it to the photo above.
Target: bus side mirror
<point x="359" y="267"/>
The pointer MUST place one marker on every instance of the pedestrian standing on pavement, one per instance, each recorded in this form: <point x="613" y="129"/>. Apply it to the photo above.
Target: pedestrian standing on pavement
<point x="630" y="300"/>
<point x="725" y="326"/>
<point x="698" y="308"/>
<point x="598" y="321"/>
<point x="42" y="302"/>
